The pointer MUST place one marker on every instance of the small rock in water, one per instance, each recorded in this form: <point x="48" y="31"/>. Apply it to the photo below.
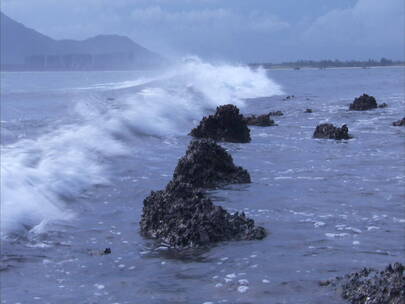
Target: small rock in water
<point x="263" y="120"/>
<point x="225" y="125"/>
<point x="383" y="105"/>
<point x="329" y="131"/>
<point x="308" y="111"/>
<point x="276" y="113"/>
<point x="363" y="103"/>
<point x="100" y="252"/>
<point x="208" y="165"/>
<point x="399" y="123"/>
<point x="289" y="97"/>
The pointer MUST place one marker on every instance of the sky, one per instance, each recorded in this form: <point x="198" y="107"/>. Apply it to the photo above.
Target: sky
<point x="234" y="30"/>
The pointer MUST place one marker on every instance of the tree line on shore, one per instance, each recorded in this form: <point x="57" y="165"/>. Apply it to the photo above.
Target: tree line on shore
<point x="321" y="64"/>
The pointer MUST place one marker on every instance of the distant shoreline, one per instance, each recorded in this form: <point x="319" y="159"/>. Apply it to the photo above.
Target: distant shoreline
<point x="329" y="64"/>
<point x="326" y="68"/>
<point x="266" y="66"/>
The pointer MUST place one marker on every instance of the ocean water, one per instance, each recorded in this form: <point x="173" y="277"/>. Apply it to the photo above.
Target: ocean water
<point x="81" y="150"/>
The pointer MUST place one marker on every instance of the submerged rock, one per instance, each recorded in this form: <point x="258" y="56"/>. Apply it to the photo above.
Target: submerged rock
<point x="260" y="120"/>
<point x="181" y="216"/>
<point x="369" y="286"/>
<point x="207" y="165"/>
<point x="382" y="105"/>
<point x="225" y="125"/>
<point x="329" y="131"/>
<point x="399" y="123"/>
<point x="276" y="113"/>
<point x="363" y="103"/>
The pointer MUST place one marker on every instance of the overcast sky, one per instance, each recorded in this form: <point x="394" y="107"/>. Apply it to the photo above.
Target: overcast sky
<point x="236" y="30"/>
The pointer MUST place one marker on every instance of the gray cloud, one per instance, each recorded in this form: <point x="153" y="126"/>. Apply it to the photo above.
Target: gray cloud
<point x="371" y="28"/>
<point x="254" y="30"/>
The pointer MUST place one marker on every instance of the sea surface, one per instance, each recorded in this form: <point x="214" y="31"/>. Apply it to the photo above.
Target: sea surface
<point x="81" y="150"/>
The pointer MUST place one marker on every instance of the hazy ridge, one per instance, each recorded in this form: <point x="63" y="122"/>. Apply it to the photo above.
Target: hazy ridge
<point x="23" y="48"/>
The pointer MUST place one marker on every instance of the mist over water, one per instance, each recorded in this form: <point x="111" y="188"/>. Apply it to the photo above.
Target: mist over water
<point x="40" y="175"/>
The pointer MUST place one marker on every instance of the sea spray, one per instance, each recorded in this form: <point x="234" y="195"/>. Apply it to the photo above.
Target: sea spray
<point x="40" y="176"/>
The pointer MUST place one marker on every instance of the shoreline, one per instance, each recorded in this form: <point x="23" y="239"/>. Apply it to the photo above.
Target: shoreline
<point x="329" y="68"/>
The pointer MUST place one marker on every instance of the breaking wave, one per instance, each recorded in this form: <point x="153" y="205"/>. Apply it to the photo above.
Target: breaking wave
<point x="39" y="176"/>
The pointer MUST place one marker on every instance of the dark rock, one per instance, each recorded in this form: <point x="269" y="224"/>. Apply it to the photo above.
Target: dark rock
<point x="289" y="97"/>
<point x="362" y="103"/>
<point x="382" y="105"/>
<point x="399" y="123"/>
<point x="207" y="164"/>
<point x="325" y="283"/>
<point x="276" y="113"/>
<point x="308" y="111"/>
<point x="329" y="131"/>
<point x="181" y="216"/>
<point x="225" y="125"/>
<point x="99" y="252"/>
<point x="260" y="120"/>
<point x="369" y="286"/>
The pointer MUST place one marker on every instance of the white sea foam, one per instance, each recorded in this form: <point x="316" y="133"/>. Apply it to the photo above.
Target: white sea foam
<point x="39" y="176"/>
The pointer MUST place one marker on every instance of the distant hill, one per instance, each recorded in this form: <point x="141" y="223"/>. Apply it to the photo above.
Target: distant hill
<point x="22" y="48"/>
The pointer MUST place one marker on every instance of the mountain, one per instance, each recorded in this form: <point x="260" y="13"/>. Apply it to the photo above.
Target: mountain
<point x="23" y="48"/>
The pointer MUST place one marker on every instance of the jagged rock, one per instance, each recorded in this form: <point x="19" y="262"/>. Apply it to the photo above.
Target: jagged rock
<point x="260" y="120"/>
<point x="362" y="103"/>
<point x="308" y="111"/>
<point x="276" y="113"/>
<point x="399" y="123"/>
<point x="225" y="125"/>
<point x="382" y="105"/>
<point x="369" y="286"/>
<point x="329" y="131"/>
<point x="180" y="216"/>
<point x="207" y="164"/>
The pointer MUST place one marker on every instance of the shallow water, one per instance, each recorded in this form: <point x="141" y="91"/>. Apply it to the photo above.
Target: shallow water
<point x="76" y="168"/>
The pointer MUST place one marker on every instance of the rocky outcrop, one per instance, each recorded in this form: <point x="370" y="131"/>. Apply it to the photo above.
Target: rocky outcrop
<point x="207" y="165"/>
<point x="363" y="103"/>
<point x="370" y="286"/>
<point x="181" y="216"/>
<point x="225" y="125"/>
<point x="399" y="123"/>
<point x="276" y="113"/>
<point x="259" y="120"/>
<point x="329" y="131"/>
